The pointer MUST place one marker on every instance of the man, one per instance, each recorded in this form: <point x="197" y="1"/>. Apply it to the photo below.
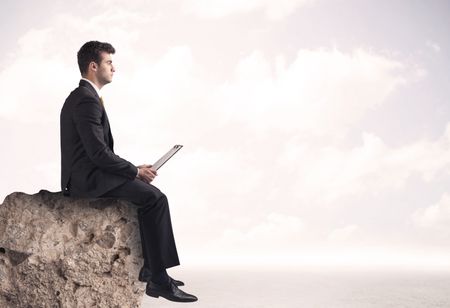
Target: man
<point x="90" y="168"/>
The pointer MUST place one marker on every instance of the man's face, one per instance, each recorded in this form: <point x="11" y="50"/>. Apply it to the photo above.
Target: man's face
<point x="105" y="69"/>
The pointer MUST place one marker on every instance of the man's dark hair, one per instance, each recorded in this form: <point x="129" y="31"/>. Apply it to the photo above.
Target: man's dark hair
<point x="91" y="51"/>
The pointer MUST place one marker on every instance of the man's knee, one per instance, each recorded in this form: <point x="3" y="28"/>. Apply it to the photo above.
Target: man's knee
<point x="158" y="206"/>
<point x="154" y="197"/>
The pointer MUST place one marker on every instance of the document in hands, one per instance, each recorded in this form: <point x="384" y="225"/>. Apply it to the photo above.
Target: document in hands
<point x="166" y="156"/>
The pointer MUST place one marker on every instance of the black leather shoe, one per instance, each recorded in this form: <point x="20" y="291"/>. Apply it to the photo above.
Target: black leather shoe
<point x="145" y="275"/>
<point x="169" y="292"/>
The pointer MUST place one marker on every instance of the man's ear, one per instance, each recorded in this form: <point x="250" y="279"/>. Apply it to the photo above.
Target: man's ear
<point x="93" y="66"/>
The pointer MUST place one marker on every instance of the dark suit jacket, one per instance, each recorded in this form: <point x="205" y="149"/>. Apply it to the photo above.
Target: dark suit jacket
<point x="89" y="167"/>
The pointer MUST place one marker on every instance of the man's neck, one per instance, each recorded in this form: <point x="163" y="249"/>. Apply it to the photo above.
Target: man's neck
<point x="94" y="85"/>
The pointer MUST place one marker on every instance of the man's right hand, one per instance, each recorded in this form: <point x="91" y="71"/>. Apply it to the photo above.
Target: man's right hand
<point x="146" y="173"/>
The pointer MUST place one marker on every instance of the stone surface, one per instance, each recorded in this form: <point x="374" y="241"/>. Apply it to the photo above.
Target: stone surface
<point x="57" y="251"/>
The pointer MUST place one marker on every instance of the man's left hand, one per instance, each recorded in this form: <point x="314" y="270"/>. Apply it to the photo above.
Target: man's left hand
<point x="146" y="173"/>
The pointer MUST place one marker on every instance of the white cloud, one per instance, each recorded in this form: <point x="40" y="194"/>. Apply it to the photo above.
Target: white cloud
<point x="34" y="71"/>
<point x="342" y="234"/>
<point x="320" y="92"/>
<point x="434" y="46"/>
<point x="325" y="174"/>
<point x="274" y="10"/>
<point x="434" y="216"/>
<point x="273" y="231"/>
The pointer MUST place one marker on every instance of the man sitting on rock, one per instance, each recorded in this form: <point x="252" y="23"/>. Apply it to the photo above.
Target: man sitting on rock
<point x="90" y="168"/>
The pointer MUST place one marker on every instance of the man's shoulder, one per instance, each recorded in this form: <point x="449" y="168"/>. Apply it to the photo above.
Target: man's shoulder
<point x="82" y="91"/>
<point x="81" y="94"/>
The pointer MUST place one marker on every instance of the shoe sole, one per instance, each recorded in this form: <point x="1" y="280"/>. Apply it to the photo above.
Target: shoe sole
<point x="172" y="299"/>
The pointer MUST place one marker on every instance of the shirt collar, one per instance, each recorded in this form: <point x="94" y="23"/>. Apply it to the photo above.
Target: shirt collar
<point x="94" y="86"/>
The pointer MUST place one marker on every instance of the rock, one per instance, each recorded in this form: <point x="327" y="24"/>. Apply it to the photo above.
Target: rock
<point x="57" y="251"/>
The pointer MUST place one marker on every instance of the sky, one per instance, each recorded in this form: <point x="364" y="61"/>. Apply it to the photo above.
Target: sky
<point x="315" y="133"/>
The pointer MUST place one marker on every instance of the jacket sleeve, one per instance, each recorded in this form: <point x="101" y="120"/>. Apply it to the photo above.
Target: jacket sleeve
<point x="87" y="117"/>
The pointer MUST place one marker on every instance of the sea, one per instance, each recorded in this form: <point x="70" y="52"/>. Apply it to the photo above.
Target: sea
<point x="269" y="288"/>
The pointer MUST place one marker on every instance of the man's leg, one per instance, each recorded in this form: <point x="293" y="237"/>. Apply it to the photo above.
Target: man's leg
<point x="158" y="243"/>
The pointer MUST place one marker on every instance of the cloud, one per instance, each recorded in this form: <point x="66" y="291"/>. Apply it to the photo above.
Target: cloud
<point x="434" y="216"/>
<point x="434" y="46"/>
<point x="322" y="92"/>
<point x="342" y="234"/>
<point x="34" y="71"/>
<point x="221" y="8"/>
<point x="325" y="174"/>
<point x="293" y="117"/>
<point x="273" y="231"/>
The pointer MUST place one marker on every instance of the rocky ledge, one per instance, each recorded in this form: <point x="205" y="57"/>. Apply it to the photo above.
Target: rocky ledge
<point x="57" y="251"/>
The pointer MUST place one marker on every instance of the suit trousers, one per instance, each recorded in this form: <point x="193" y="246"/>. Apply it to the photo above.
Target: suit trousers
<point x="158" y="243"/>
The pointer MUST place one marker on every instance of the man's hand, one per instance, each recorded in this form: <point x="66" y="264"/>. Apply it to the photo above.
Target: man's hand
<point x="146" y="173"/>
